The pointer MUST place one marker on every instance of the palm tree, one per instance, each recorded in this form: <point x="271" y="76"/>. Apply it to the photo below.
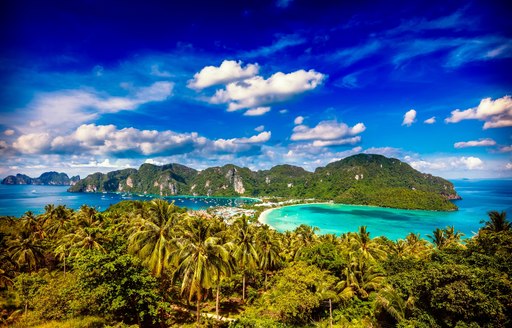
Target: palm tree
<point x="363" y="243"/>
<point x="245" y="252"/>
<point x="25" y="250"/>
<point x="202" y="260"/>
<point x="268" y="247"/>
<point x="438" y="238"/>
<point x="88" y="238"/>
<point x="497" y="222"/>
<point x="360" y="277"/>
<point x="452" y="237"/>
<point x="33" y="224"/>
<point x="442" y="238"/>
<point x="57" y="218"/>
<point x="389" y="300"/>
<point x="304" y="236"/>
<point x="152" y="236"/>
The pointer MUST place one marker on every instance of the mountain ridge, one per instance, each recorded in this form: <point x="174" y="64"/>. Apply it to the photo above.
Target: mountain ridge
<point x="364" y="179"/>
<point x="51" y="178"/>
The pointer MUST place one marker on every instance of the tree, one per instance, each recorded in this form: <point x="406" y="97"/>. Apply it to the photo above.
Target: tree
<point x="268" y="247"/>
<point x="202" y="260"/>
<point x="363" y="243"/>
<point x="298" y="291"/>
<point x="245" y="252"/>
<point x="26" y="251"/>
<point x="497" y="222"/>
<point x="152" y="235"/>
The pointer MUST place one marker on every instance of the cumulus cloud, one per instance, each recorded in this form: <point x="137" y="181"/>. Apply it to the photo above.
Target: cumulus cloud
<point x="257" y="91"/>
<point x="69" y="108"/>
<point x="32" y="143"/>
<point x="471" y="162"/>
<point x="431" y="120"/>
<point x="508" y="166"/>
<point x="229" y="71"/>
<point x="258" y="111"/>
<point x="475" y="143"/>
<point x="9" y="132"/>
<point x="262" y="137"/>
<point x="409" y="118"/>
<point x="328" y="133"/>
<point x="283" y="111"/>
<point x="495" y="113"/>
<point x="108" y="140"/>
<point x="298" y="120"/>
<point x="259" y="128"/>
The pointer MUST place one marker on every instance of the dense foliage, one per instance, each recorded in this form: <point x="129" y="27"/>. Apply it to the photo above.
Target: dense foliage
<point x="152" y="264"/>
<point x="360" y="179"/>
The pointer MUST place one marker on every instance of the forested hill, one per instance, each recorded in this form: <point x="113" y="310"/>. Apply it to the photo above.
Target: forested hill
<point x="360" y="179"/>
<point x="47" y="178"/>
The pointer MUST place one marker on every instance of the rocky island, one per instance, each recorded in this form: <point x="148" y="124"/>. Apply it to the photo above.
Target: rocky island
<point x="47" y="178"/>
<point x="361" y="179"/>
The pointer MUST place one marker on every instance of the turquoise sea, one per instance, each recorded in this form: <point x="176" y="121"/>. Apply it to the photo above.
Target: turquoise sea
<point x="17" y="199"/>
<point x="478" y="197"/>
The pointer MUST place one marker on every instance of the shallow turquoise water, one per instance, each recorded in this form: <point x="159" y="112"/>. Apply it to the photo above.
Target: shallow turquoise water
<point x="17" y="199"/>
<point x="479" y="197"/>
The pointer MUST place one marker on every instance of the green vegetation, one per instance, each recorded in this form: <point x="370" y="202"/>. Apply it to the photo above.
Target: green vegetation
<point x="360" y="179"/>
<point x="153" y="264"/>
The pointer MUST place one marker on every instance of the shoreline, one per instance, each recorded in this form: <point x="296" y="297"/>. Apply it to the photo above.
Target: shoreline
<point x="263" y="217"/>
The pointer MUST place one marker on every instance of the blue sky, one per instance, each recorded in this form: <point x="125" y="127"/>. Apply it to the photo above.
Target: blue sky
<point x="92" y="86"/>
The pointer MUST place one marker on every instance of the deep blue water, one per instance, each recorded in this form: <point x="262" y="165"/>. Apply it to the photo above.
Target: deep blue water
<point x="17" y="199"/>
<point x="478" y="198"/>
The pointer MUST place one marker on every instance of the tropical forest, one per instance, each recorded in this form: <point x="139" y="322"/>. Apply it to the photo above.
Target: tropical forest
<point x="153" y="264"/>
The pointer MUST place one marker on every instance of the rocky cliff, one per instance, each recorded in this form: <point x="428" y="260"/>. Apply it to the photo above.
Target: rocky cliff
<point x="359" y="179"/>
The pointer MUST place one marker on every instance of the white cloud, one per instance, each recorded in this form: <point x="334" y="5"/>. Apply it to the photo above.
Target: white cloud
<point x="259" y="128"/>
<point x="508" y="166"/>
<point x="9" y="132"/>
<point x="471" y="163"/>
<point x="495" y="113"/>
<point x="257" y="91"/>
<point x="283" y="111"/>
<point x="32" y="143"/>
<point x="449" y="163"/>
<point x="328" y="133"/>
<point x="108" y="140"/>
<point x="298" y="120"/>
<point x="229" y="71"/>
<point x="262" y="137"/>
<point x="475" y="143"/>
<point x="409" y="118"/>
<point x="258" y="111"/>
<point x="431" y="120"/>
<point x="65" y="110"/>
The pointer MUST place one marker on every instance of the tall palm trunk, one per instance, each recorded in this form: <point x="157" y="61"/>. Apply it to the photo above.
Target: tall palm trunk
<point x="198" y="306"/>
<point x="243" y="289"/>
<point x="217" y="300"/>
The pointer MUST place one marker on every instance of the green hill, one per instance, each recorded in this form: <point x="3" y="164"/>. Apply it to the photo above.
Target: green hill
<point x="360" y="179"/>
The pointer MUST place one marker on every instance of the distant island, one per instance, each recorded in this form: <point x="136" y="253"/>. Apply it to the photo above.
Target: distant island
<point x="362" y="179"/>
<point x="47" y="178"/>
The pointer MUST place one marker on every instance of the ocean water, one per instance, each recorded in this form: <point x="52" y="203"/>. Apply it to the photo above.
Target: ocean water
<point x="478" y="198"/>
<point x="17" y="199"/>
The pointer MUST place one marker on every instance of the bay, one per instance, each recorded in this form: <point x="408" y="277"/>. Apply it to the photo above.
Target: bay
<point x="15" y="200"/>
<point x="478" y="198"/>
